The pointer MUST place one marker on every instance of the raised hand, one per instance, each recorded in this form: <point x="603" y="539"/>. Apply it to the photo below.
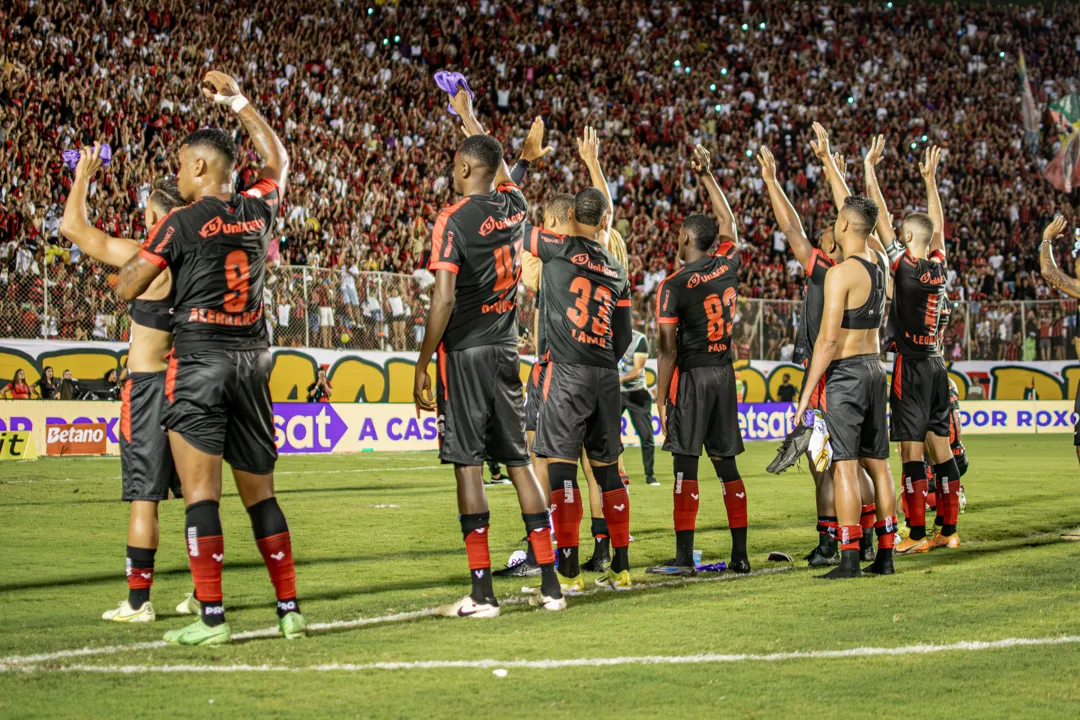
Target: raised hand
<point x="701" y="163"/>
<point x="462" y="103"/>
<point x="1053" y="231"/>
<point x="89" y="161"/>
<point x="928" y="168"/>
<point x="820" y="146"/>
<point x="841" y="164"/>
<point x="768" y="165"/>
<point x="534" y="148"/>
<point x="588" y="145"/>
<point x="218" y="83"/>
<point x="876" y="151"/>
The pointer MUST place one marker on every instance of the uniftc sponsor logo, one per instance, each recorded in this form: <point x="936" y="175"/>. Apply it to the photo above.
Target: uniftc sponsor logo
<point x="216" y="226"/>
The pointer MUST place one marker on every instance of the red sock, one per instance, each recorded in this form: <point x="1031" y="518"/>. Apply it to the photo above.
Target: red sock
<point x="915" y="494"/>
<point x="617" y="513"/>
<point x="850" y="537"/>
<point x="277" y="554"/>
<point x="205" y="561"/>
<point x="476" y="547"/>
<point x="686" y="504"/>
<point x="540" y="540"/>
<point x="735" y="502"/>
<point x="868" y="518"/>
<point x="949" y="500"/>
<point x="566" y="514"/>
<point x="886" y="532"/>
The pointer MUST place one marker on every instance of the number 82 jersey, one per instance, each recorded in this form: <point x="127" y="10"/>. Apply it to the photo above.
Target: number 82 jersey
<point x="700" y="298"/>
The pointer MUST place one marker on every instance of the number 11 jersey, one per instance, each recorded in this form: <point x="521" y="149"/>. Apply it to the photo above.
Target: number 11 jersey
<point x="700" y="298"/>
<point x="583" y="284"/>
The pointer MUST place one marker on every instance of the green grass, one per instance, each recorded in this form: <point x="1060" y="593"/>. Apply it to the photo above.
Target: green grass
<point x="62" y="543"/>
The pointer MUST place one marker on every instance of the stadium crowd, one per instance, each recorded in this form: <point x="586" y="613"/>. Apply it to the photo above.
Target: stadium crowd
<point x="348" y="86"/>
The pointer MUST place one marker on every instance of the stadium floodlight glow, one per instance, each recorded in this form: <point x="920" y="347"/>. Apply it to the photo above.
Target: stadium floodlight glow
<point x="850" y="100"/>
<point x="924" y="138"/>
<point x="716" y="108"/>
<point x="386" y="41"/>
<point x="888" y="5"/>
<point x="686" y="70"/>
<point x="370" y="11"/>
<point x="761" y="26"/>
<point x="397" y="38"/>
<point x="749" y="153"/>
<point x="678" y="63"/>
<point x="913" y="146"/>
<point x="712" y="87"/>
<point x="723" y="71"/>
<point x="745" y="27"/>
<point x="1001" y="54"/>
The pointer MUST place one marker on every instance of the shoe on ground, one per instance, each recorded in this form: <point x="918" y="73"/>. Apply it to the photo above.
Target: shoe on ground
<point x="548" y="603"/>
<point x="612" y="580"/>
<point x="866" y="547"/>
<point x="912" y="547"/>
<point x="598" y="563"/>
<point x="521" y="569"/>
<point x="123" y="612"/>
<point x="500" y="480"/>
<point x="651" y="480"/>
<point x="941" y="541"/>
<point x="199" y="633"/>
<point x="847" y="569"/>
<point x="882" y="565"/>
<point x="672" y="567"/>
<point x="740" y="565"/>
<point x="571" y="587"/>
<point x="190" y="606"/>
<point x="467" y="607"/>
<point x="820" y="557"/>
<point x="293" y="626"/>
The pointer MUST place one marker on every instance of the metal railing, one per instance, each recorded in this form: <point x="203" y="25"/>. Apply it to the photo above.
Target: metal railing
<point x="338" y="309"/>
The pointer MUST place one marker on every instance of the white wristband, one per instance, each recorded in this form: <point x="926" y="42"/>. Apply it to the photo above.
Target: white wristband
<point x="234" y="102"/>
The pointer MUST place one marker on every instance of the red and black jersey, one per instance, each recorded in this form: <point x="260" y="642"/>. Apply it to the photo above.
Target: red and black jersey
<point x="918" y="299"/>
<point x="533" y="235"/>
<point x="479" y="239"/>
<point x="701" y="299"/>
<point x="955" y="442"/>
<point x="583" y="284"/>
<point x="813" y="304"/>
<point x="216" y="250"/>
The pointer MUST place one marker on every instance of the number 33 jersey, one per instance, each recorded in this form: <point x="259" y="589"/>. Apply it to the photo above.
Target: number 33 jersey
<point x="700" y="298"/>
<point x="583" y="284"/>
<point x="479" y="239"/>
<point x="216" y="250"/>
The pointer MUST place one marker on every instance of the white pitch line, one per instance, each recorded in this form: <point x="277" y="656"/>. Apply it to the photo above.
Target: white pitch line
<point x="551" y="664"/>
<point x="350" y="471"/>
<point x="11" y="663"/>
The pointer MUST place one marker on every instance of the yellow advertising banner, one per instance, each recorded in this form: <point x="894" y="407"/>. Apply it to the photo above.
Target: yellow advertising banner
<point x="17" y="445"/>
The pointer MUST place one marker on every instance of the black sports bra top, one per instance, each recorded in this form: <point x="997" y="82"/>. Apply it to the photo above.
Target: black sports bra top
<point x="869" y="315"/>
<point x="156" y="314"/>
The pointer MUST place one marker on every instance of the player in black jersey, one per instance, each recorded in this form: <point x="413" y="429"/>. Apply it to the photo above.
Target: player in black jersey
<point x="695" y="386"/>
<point x="217" y="383"/>
<point x="586" y="318"/>
<point x="146" y="467"/>
<point x="846" y="355"/>
<point x="475" y="255"/>
<point x="1068" y="285"/>
<point x="919" y="401"/>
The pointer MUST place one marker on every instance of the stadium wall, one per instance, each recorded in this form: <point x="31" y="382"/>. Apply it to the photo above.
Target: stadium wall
<point x="388" y="376"/>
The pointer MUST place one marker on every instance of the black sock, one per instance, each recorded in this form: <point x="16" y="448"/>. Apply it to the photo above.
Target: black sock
<point x="620" y="559"/>
<point x="684" y="547"/>
<point x="568" y="562"/>
<point x="530" y="556"/>
<point x="139" y="559"/>
<point x="213" y="613"/>
<point x="482" y="592"/>
<point x="947" y="530"/>
<point x="601" y="546"/>
<point x="738" y="542"/>
<point x="599" y="527"/>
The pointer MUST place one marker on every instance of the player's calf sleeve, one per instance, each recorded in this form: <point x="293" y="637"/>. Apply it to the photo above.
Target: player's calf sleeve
<point x="886" y="532"/>
<point x="616" y="504"/>
<point x="685" y="493"/>
<point x="538" y="530"/>
<point x="949" y="482"/>
<point x="140" y="574"/>
<point x="869" y="516"/>
<point x="828" y="527"/>
<point x="474" y="528"/>
<point x="566" y="509"/>
<point x="850" y="537"/>
<point x="275" y="545"/>
<point x="734" y="491"/>
<point x="206" y="551"/>
<point x="915" y="493"/>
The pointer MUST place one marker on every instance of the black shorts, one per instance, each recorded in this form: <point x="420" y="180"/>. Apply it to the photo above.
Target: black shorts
<point x="146" y="464"/>
<point x="703" y="410"/>
<point x="481" y="410"/>
<point x="854" y="408"/>
<point x="919" y="399"/>
<point x="1076" y="428"/>
<point x="582" y="405"/>
<point x="533" y="394"/>
<point x="219" y="401"/>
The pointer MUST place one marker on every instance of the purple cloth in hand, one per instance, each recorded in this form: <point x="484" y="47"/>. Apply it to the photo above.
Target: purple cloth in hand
<point x="71" y="157"/>
<point x="450" y="82"/>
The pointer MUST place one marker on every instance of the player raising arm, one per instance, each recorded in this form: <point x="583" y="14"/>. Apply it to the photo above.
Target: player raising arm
<point x="1058" y="279"/>
<point x="217" y="385"/>
<point x="701" y="164"/>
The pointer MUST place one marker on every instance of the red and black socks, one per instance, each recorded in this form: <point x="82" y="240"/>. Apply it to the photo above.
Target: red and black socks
<point x="272" y="536"/>
<point x="206" y="551"/>
<point x="734" y="503"/>
<point x="886" y="534"/>
<point x="915" y="494"/>
<point x="867" y="520"/>
<point x="601" y="538"/>
<point x="566" y="512"/>
<point x="616" y="504"/>
<point x="828" y="530"/>
<point x="140" y="575"/>
<point x="948" y="481"/>
<point x="538" y="530"/>
<point x="474" y="527"/>
<point x="685" y="496"/>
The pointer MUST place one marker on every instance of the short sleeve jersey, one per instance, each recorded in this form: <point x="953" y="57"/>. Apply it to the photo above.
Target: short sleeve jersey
<point x="813" y="304"/>
<point x="216" y="250"/>
<point x="533" y="235"/>
<point x="479" y="239"/>
<point x="583" y="284"/>
<point x="918" y="299"/>
<point x="700" y="298"/>
<point x="638" y="345"/>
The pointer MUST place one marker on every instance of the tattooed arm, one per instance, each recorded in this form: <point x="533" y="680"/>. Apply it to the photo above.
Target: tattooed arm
<point x="1054" y="275"/>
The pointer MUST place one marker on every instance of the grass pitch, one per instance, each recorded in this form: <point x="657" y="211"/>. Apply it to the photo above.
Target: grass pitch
<point x="377" y="536"/>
